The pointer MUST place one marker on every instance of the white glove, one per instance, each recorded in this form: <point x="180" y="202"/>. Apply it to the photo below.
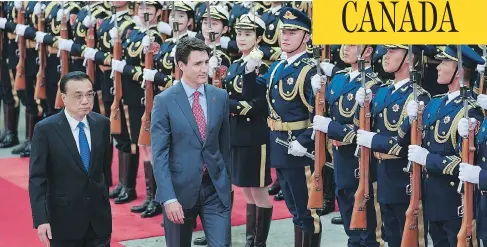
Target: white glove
<point x="469" y="173"/>
<point x="118" y="65"/>
<point x="3" y="21"/>
<point x="327" y="68"/>
<point x="251" y="65"/>
<point x="296" y="149"/>
<point x="360" y="95"/>
<point x="37" y="9"/>
<point x="412" y="109"/>
<point x="417" y="154"/>
<point x="481" y="67"/>
<point x="61" y="13"/>
<point x="482" y="101"/>
<point x="463" y="126"/>
<point x="164" y="28"/>
<point x="173" y="52"/>
<point x="146" y="41"/>
<point x="113" y="33"/>
<point x="65" y="44"/>
<point x="364" y="138"/>
<point x="90" y="53"/>
<point x="224" y="40"/>
<point x="20" y="29"/>
<point x="149" y="74"/>
<point x="321" y="123"/>
<point x="89" y="22"/>
<point x="40" y="36"/>
<point x="316" y="83"/>
<point x="18" y="4"/>
<point x="283" y="56"/>
<point x="213" y="63"/>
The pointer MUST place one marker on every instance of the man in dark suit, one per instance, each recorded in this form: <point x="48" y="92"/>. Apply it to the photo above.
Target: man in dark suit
<point x="68" y="171"/>
<point x="191" y="151"/>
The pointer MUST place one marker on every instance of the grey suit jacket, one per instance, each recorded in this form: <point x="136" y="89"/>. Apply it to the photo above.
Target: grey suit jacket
<point x="178" y="152"/>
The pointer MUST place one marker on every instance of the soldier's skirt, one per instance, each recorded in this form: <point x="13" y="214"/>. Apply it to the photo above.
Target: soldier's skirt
<point x="251" y="166"/>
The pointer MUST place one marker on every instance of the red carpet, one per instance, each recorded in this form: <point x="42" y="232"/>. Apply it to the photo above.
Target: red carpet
<point x="16" y="218"/>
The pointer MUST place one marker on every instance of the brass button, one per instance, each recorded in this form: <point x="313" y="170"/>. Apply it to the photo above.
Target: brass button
<point x="427" y="175"/>
<point x="483" y="159"/>
<point x="275" y="86"/>
<point x="273" y="101"/>
<point x="428" y="143"/>
<point x="248" y="119"/>
<point x="378" y="131"/>
<point x="229" y="93"/>
<point x="380" y="114"/>
<point x="452" y="184"/>
<point x="431" y="128"/>
<point x="333" y="118"/>
<point x="336" y="103"/>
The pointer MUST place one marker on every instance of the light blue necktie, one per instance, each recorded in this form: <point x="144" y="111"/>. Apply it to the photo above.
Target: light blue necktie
<point x="84" y="148"/>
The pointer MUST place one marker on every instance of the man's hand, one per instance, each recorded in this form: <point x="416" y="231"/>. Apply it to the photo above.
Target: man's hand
<point x="296" y="149"/>
<point x="469" y="173"/>
<point x="44" y="233"/>
<point x="174" y="212"/>
<point x="361" y="94"/>
<point x="364" y="138"/>
<point x="321" y="123"/>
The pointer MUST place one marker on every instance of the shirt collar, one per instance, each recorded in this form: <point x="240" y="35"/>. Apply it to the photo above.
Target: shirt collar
<point x="291" y="60"/>
<point x="190" y="91"/>
<point x="355" y="73"/>
<point x="73" y="123"/>
<point x="452" y="95"/>
<point x="275" y="9"/>
<point x="400" y="83"/>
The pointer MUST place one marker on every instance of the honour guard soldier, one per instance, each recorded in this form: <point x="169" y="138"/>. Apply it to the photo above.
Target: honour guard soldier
<point x="162" y="74"/>
<point x="133" y="94"/>
<point x="11" y="102"/>
<point x="440" y="154"/>
<point x="289" y="94"/>
<point x="102" y="56"/>
<point x="250" y="135"/>
<point x="388" y="112"/>
<point x="270" y="47"/>
<point x="342" y="106"/>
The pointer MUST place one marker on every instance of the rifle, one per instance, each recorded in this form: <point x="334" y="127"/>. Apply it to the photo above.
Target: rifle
<point x="90" y="64"/>
<point x="40" y="89"/>
<point x="20" y="74"/>
<point x="315" y="200"/>
<point x="115" y="120"/>
<point x="220" y="71"/>
<point x="144" y="136"/>
<point x="466" y="211"/>
<point x="175" y="27"/>
<point x="410" y="236"/>
<point x="64" y="60"/>
<point x="359" y="214"/>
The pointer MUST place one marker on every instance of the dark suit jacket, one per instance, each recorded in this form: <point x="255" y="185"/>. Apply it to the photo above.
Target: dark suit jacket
<point x="178" y="152"/>
<point x="61" y="192"/>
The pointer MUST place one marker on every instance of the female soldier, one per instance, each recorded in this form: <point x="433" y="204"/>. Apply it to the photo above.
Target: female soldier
<point x="250" y="134"/>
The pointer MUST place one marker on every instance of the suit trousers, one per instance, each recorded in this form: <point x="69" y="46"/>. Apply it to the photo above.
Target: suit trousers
<point x="214" y="216"/>
<point x="90" y="240"/>
<point x="394" y="218"/>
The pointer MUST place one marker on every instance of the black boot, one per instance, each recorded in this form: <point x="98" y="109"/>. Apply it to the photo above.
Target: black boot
<point x="4" y="132"/>
<point x="312" y="239"/>
<point x="149" y="178"/>
<point x="275" y="188"/>
<point x="123" y="159"/>
<point x="128" y="194"/>
<point x="20" y="148"/>
<point x="298" y="236"/>
<point x="33" y="119"/>
<point x="328" y="192"/>
<point x="250" y="225"/>
<point x="154" y="208"/>
<point x="337" y="220"/>
<point x="264" y="219"/>
<point x="11" y="121"/>
<point x="279" y="196"/>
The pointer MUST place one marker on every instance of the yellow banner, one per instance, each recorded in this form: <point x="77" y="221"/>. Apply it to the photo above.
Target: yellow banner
<point x="399" y="22"/>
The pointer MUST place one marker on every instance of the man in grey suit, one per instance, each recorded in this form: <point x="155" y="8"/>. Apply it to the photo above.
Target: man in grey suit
<point x="191" y="151"/>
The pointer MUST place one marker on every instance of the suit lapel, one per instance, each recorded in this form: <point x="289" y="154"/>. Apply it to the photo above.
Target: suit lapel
<point x="210" y="105"/>
<point x="95" y="131"/>
<point x="66" y="135"/>
<point x="182" y="100"/>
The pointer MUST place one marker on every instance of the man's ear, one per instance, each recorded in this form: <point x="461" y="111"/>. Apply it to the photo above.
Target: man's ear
<point x="181" y="65"/>
<point x="225" y="30"/>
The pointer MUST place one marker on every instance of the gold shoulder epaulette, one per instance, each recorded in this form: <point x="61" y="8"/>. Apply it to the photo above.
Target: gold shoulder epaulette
<point x="439" y="95"/>
<point x="345" y="70"/>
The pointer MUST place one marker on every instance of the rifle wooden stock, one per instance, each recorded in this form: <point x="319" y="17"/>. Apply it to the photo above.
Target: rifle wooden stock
<point x="144" y="136"/>
<point x="315" y="200"/>
<point x="218" y="75"/>
<point x="40" y="89"/>
<point x="20" y="69"/>
<point x="115" y="119"/>
<point x="410" y="236"/>
<point x="359" y="214"/>
<point x="64" y="63"/>
<point x="464" y="236"/>
<point x="90" y="66"/>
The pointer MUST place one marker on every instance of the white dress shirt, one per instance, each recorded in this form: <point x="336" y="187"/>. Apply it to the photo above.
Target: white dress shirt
<point x="452" y="96"/>
<point x="291" y="60"/>
<point x="73" y="125"/>
<point x="354" y="74"/>
<point x="399" y="84"/>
